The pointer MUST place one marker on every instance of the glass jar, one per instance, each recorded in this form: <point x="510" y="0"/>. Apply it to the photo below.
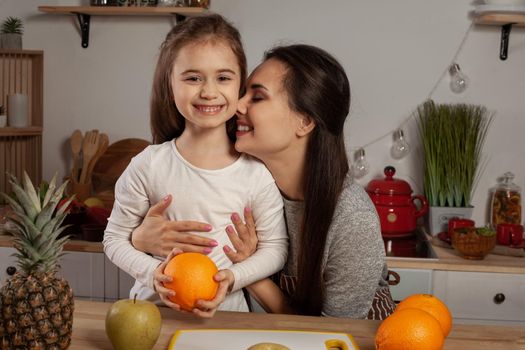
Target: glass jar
<point x="506" y="202"/>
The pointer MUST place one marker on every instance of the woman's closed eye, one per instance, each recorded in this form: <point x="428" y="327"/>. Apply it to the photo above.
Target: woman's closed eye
<point x="257" y="98"/>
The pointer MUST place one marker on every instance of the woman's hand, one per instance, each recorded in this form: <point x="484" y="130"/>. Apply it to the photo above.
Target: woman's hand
<point x="158" y="236"/>
<point x="159" y="278"/>
<point x="243" y="237"/>
<point x="205" y="308"/>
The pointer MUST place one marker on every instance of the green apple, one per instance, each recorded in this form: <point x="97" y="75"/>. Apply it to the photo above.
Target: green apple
<point x="133" y="324"/>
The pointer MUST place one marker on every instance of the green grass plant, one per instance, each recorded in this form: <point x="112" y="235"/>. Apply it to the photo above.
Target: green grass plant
<point x="12" y="25"/>
<point x="452" y="137"/>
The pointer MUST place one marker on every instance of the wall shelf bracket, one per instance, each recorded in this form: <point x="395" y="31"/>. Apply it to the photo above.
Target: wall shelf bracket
<point x="83" y="21"/>
<point x="504" y="43"/>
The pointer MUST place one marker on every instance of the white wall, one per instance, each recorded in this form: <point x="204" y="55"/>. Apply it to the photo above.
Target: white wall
<point x="394" y="52"/>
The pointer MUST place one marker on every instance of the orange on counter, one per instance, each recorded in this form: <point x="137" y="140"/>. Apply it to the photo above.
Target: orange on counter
<point x="409" y="329"/>
<point x="432" y="305"/>
<point x="192" y="275"/>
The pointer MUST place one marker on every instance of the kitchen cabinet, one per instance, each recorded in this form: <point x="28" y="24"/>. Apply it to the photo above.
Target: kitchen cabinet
<point x="117" y="282"/>
<point x="470" y="288"/>
<point x="84" y="14"/>
<point x="477" y="297"/>
<point x="21" y="71"/>
<point x="7" y="263"/>
<point x="411" y="281"/>
<point x="91" y="275"/>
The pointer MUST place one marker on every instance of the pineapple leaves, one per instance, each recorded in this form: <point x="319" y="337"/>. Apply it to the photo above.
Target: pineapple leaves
<point x="64" y="207"/>
<point x="31" y="193"/>
<point x="13" y="204"/>
<point x="24" y="199"/>
<point x="37" y="223"/>
<point x="50" y="190"/>
<point x="50" y="203"/>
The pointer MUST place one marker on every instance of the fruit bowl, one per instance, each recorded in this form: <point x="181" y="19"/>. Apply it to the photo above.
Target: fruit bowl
<point x="473" y="243"/>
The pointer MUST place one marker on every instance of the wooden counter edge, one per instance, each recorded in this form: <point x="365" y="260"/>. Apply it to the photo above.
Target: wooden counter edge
<point x="89" y="328"/>
<point x="71" y="246"/>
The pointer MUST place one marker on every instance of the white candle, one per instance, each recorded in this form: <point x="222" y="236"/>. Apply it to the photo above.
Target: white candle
<point x="17" y="110"/>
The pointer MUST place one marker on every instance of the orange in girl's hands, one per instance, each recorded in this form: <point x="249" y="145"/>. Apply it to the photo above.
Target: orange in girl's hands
<point x="432" y="305"/>
<point x="192" y="275"/>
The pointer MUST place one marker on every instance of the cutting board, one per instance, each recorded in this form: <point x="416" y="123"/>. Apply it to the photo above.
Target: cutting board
<point x="242" y="339"/>
<point x="114" y="161"/>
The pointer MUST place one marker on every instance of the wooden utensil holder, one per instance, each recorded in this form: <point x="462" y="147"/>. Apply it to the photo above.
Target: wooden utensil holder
<point x="82" y="191"/>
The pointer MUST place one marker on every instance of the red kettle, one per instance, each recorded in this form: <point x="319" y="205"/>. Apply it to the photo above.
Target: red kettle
<point x="395" y="205"/>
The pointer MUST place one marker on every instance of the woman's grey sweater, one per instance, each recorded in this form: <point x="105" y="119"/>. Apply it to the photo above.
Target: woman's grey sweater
<point x="354" y="265"/>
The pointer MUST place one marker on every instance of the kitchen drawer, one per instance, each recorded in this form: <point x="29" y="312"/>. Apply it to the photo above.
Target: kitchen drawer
<point x="83" y="271"/>
<point x="412" y="281"/>
<point x="85" y="274"/>
<point x="474" y="295"/>
<point x="117" y="282"/>
<point x="6" y="260"/>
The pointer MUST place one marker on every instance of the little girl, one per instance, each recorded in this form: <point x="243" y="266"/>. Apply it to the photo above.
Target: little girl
<point x="200" y="73"/>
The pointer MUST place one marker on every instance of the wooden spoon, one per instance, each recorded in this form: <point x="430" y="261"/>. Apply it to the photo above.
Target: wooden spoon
<point x="89" y="149"/>
<point x="76" y="146"/>
<point x="103" y="144"/>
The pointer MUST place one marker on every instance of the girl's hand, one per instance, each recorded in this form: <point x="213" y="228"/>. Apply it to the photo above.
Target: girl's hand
<point x="243" y="237"/>
<point x="159" y="278"/>
<point x="206" y="309"/>
<point x="158" y="236"/>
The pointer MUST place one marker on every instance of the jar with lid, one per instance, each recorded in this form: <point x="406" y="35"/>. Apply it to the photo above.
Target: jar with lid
<point x="506" y="202"/>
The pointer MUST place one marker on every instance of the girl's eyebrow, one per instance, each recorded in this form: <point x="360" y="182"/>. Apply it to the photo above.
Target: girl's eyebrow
<point x="194" y="71"/>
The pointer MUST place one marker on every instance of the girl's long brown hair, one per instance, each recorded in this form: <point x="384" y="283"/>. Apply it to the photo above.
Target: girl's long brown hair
<point x="166" y="120"/>
<point x="317" y="87"/>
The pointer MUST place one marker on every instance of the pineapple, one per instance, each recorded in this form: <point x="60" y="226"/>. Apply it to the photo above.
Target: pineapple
<point x="36" y="305"/>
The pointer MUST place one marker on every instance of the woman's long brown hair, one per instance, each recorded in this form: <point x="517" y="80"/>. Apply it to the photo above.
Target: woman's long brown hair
<point x="166" y="120"/>
<point x="317" y="87"/>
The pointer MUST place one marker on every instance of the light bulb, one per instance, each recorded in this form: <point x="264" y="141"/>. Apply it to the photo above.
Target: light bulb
<point x="458" y="81"/>
<point x="360" y="167"/>
<point x="400" y="147"/>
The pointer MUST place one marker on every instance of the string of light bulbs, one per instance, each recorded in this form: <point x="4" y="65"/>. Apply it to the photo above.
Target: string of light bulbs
<point x="400" y="147"/>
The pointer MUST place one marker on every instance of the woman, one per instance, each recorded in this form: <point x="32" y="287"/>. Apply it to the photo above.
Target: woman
<point x="292" y="119"/>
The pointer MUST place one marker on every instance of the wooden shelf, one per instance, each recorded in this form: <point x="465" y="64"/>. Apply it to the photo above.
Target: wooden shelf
<point x="123" y="10"/>
<point x="505" y="16"/>
<point x="29" y="131"/>
<point x="500" y="19"/>
<point x="84" y="13"/>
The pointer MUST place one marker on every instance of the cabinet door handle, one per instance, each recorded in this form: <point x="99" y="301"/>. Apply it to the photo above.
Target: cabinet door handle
<point x="396" y="277"/>
<point x="499" y="298"/>
<point x="11" y="270"/>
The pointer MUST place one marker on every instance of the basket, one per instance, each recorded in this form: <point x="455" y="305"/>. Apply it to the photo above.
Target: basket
<point x="472" y="245"/>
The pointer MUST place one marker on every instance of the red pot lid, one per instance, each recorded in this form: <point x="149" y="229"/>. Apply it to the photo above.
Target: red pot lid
<point x="389" y="185"/>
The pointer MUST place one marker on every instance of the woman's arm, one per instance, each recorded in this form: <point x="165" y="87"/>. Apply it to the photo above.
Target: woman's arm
<point x="270" y="297"/>
<point x="158" y="236"/>
<point x="355" y="257"/>
<point x="272" y="246"/>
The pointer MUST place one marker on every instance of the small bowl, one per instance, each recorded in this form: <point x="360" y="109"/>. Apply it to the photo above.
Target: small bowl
<point x="93" y="232"/>
<point x="472" y="245"/>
